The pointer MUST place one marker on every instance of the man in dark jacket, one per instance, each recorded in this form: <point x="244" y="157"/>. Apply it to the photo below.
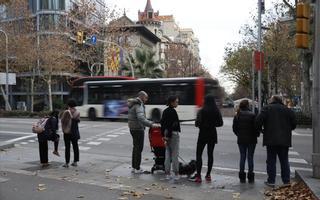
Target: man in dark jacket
<point x="277" y="121"/>
<point x="137" y="122"/>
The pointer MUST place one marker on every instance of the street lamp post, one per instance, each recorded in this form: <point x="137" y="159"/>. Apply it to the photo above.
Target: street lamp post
<point x="7" y="72"/>
<point x="114" y="43"/>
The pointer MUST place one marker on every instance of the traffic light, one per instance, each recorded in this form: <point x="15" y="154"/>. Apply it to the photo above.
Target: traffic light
<point x="302" y="25"/>
<point x="80" y="37"/>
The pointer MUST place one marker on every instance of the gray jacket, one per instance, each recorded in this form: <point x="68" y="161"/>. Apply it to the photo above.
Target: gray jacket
<point x="136" y="115"/>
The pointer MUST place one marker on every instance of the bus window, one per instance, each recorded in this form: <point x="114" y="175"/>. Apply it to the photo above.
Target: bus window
<point x="94" y="94"/>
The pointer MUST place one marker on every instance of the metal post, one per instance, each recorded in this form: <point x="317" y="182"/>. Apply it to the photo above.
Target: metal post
<point x="315" y="97"/>
<point x="8" y="107"/>
<point x="253" y="84"/>
<point x="259" y="49"/>
<point x="114" y="43"/>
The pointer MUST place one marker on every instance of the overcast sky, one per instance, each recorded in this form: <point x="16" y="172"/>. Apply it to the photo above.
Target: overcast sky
<point x="215" y="23"/>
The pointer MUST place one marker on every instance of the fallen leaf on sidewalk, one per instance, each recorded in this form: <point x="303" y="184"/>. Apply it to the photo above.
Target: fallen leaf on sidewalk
<point x="108" y="170"/>
<point x="236" y="195"/>
<point x="147" y="189"/>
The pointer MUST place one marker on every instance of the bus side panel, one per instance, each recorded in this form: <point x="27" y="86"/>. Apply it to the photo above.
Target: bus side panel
<point x="199" y="92"/>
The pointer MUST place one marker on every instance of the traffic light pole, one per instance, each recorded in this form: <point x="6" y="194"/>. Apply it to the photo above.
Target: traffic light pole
<point x="259" y="49"/>
<point x="8" y="107"/>
<point x="316" y="96"/>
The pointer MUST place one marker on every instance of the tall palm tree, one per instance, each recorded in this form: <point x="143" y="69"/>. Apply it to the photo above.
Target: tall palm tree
<point x="145" y="65"/>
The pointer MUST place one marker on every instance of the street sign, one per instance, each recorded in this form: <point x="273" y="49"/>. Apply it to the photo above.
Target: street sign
<point x="93" y="39"/>
<point x="11" y="80"/>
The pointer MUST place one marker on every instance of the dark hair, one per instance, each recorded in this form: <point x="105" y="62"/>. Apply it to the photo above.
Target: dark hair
<point x="244" y="105"/>
<point x="276" y="99"/>
<point x="171" y="99"/>
<point x="72" y="103"/>
<point x="210" y="103"/>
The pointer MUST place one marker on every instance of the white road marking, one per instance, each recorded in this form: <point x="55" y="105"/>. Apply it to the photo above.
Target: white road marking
<point x="31" y="141"/>
<point x="120" y="133"/>
<point x="20" y="138"/>
<point x="298" y="160"/>
<point x="113" y="136"/>
<point x="300" y="134"/>
<point x="15" y="132"/>
<point x="294" y="153"/>
<point x="23" y="143"/>
<point x="94" y="143"/>
<point x="104" y="139"/>
<point x="83" y="148"/>
<point x="292" y="169"/>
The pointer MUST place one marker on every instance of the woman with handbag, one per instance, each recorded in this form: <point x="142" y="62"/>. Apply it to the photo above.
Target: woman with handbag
<point x="170" y="128"/>
<point x="69" y="123"/>
<point x="208" y="118"/>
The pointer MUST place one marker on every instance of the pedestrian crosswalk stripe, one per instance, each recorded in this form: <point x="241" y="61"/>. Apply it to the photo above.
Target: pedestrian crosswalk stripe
<point x="293" y="153"/>
<point x="114" y="136"/>
<point x="293" y="169"/>
<point x="297" y="160"/>
<point x="94" y="143"/>
<point x="83" y="148"/>
<point x="104" y="139"/>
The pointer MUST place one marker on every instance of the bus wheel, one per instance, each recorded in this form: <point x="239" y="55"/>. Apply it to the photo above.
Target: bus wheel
<point x="92" y="114"/>
<point x="156" y="115"/>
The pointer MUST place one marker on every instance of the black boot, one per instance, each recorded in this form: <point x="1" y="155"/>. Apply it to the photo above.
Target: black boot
<point x="242" y="177"/>
<point x="250" y="177"/>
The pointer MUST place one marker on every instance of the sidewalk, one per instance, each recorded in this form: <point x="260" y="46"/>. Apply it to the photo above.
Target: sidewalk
<point x="110" y="176"/>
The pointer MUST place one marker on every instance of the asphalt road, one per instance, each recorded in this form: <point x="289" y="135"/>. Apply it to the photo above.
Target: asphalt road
<point x="113" y="138"/>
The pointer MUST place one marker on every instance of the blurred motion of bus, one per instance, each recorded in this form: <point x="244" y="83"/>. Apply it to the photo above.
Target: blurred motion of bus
<point x="108" y="99"/>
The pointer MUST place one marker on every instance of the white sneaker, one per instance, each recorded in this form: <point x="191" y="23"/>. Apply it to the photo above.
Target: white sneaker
<point x="176" y="177"/>
<point x="168" y="177"/>
<point x="138" y="171"/>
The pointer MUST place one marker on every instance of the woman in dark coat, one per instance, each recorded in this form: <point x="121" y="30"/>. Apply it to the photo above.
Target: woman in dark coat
<point x="208" y="118"/>
<point x="243" y="127"/>
<point x="50" y="129"/>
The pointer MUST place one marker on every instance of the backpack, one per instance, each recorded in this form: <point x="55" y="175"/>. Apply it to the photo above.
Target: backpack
<point x="66" y="122"/>
<point x="39" y="127"/>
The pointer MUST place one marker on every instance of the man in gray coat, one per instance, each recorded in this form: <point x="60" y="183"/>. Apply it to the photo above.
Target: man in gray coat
<point x="137" y="122"/>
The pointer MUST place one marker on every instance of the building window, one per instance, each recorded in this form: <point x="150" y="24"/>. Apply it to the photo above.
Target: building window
<point x="150" y="15"/>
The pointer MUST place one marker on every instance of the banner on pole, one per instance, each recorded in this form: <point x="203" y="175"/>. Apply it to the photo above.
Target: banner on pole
<point x="258" y="60"/>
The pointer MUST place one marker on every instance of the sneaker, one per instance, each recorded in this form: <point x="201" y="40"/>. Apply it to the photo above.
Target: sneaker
<point x="208" y="178"/>
<point x="138" y="171"/>
<point x="65" y="165"/>
<point x="286" y="184"/>
<point x="74" y="164"/>
<point x="196" y="179"/>
<point x="132" y="170"/>
<point x="56" y="153"/>
<point x="168" y="176"/>
<point x="269" y="184"/>
<point x="45" y="165"/>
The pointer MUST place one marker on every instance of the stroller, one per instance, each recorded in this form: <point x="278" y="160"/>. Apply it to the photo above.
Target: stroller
<point x="158" y="148"/>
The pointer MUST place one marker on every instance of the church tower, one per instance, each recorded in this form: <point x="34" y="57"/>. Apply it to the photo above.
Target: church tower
<point x="149" y="18"/>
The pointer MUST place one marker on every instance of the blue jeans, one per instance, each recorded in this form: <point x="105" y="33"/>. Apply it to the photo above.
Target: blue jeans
<point x="282" y="152"/>
<point x="246" y="149"/>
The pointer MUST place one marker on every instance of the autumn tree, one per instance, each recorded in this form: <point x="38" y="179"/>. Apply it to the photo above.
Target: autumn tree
<point x="18" y="23"/>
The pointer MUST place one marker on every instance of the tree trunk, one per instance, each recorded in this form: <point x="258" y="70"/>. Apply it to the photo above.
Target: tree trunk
<point x="307" y="85"/>
<point x="49" y="93"/>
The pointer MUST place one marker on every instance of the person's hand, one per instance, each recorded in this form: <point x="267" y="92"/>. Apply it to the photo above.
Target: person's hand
<point x="155" y="125"/>
<point x="165" y="140"/>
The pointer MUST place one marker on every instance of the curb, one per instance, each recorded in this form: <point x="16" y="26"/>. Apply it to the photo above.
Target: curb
<point x="312" y="183"/>
<point x="6" y="145"/>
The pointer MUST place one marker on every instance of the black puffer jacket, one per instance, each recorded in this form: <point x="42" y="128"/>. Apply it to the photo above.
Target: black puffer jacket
<point x="244" y="127"/>
<point x="276" y="122"/>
